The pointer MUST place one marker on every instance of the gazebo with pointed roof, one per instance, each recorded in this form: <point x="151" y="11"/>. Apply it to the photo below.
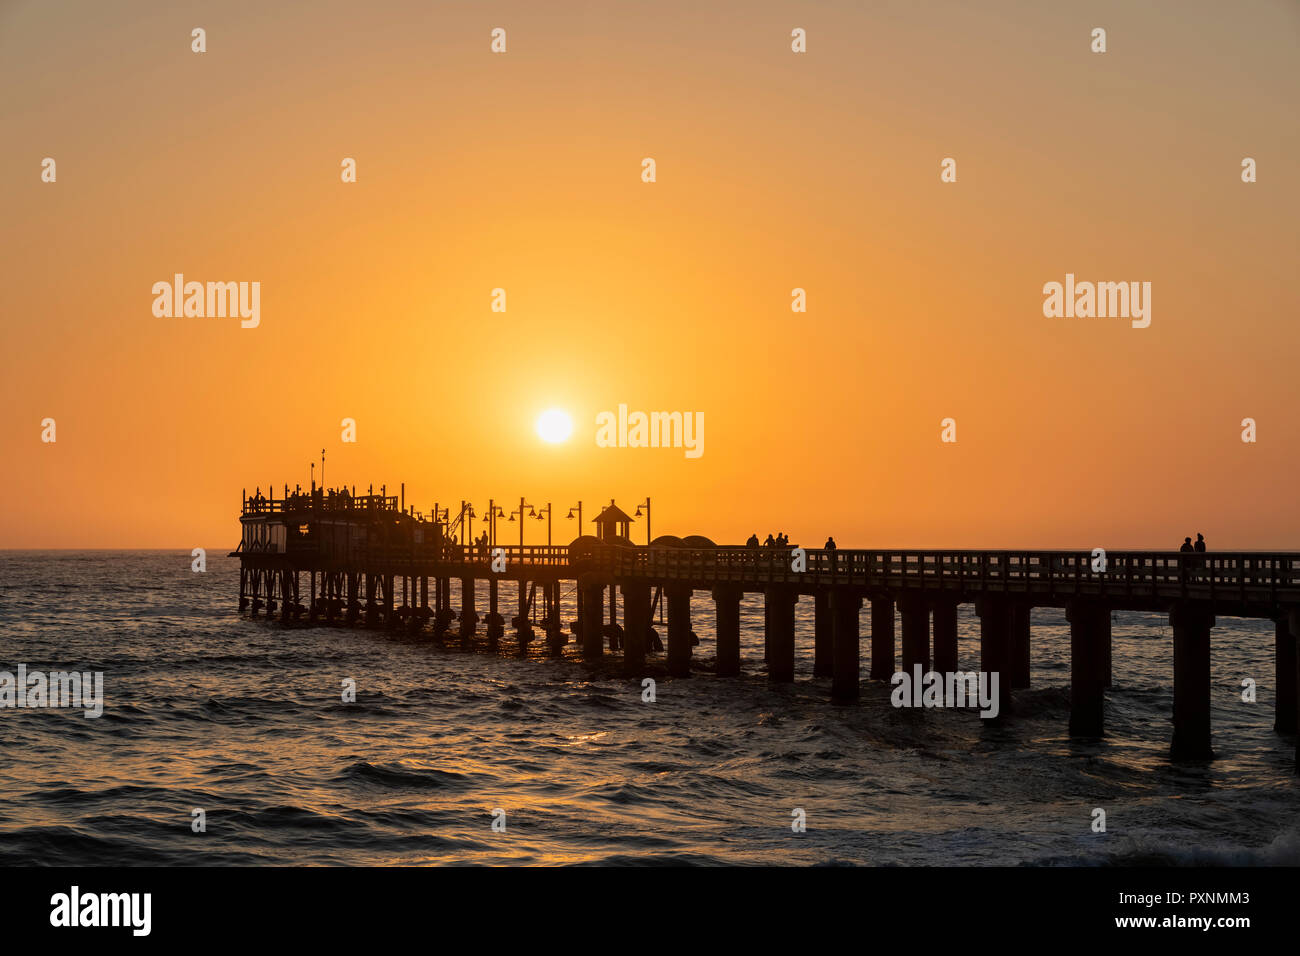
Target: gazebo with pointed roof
<point x="613" y="522"/>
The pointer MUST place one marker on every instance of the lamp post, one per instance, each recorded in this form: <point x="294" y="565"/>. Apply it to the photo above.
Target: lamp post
<point x="578" y="507"/>
<point x="494" y="511"/>
<point x="547" y="509"/>
<point x="646" y="505"/>
<point x="521" y="512"/>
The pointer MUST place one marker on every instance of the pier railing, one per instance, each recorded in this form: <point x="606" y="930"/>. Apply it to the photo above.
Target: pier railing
<point x="315" y="501"/>
<point x="1241" y="576"/>
<point x="1123" y="576"/>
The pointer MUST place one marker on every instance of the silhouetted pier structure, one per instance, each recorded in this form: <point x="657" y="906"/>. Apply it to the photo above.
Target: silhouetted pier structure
<point x="369" y="559"/>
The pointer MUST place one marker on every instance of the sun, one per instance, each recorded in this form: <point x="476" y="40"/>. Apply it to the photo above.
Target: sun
<point x="554" y="426"/>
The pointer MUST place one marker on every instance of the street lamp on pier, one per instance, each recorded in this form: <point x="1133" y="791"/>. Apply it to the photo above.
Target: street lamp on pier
<point x="547" y="509"/>
<point x="646" y="505"/>
<point x="578" y="508"/>
<point x="524" y="509"/>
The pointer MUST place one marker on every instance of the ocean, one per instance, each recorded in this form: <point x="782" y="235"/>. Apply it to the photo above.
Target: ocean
<point x="244" y="720"/>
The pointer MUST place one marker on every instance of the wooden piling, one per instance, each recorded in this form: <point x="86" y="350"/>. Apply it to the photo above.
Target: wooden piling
<point x="1089" y="632"/>
<point x="882" y="637"/>
<point x="495" y="622"/>
<point x="636" y="618"/>
<point x="995" y="646"/>
<point x="468" y="613"/>
<point x="593" y="608"/>
<point x="679" y="630"/>
<point x="1191" y="625"/>
<point x="823" y="635"/>
<point x="780" y="663"/>
<point x="914" y="611"/>
<point x="845" y="604"/>
<point x="1020" y="645"/>
<point x="1293" y="615"/>
<point x="945" y="635"/>
<point x="1284" y="674"/>
<point x="726" y="600"/>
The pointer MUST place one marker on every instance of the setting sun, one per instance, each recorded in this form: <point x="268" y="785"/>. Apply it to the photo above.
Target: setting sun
<point x="554" y="426"/>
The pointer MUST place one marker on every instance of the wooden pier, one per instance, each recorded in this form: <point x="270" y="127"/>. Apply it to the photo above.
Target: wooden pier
<point x="335" y="557"/>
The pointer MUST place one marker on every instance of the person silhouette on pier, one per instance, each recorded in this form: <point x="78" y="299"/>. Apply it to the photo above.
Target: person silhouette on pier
<point x="1187" y="546"/>
<point x="753" y="541"/>
<point x="830" y="544"/>
<point x="770" y="542"/>
<point x="1198" y="562"/>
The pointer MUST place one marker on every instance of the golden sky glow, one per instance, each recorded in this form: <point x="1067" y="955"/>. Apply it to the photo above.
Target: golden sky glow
<point x="774" y="171"/>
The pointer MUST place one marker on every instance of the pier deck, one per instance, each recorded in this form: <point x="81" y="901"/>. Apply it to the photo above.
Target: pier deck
<point x="370" y="559"/>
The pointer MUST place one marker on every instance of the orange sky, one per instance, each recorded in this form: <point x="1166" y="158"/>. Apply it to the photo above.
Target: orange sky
<point x="775" y="171"/>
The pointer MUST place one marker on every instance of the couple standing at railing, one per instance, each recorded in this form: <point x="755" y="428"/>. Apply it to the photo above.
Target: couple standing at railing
<point x="1195" y="549"/>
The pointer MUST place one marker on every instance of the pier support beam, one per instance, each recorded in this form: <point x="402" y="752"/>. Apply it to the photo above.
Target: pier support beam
<point x="636" y="622"/>
<point x="779" y="604"/>
<point x="1293" y="615"/>
<point x="995" y="646"/>
<point x="823" y="635"/>
<point x="679" y="630"/>
<point x="593" y="620"/>
<point x="495" y="622"/>
<point x="1191" y="626"/>
<point x="915" y="613"/>
<point x="555" y="637"/>
<point x="882" y="638"/>
<point x="845" y="604"/>
<point x="726" y="601"/>
<point x="1285" y="719"/>
<point x="372" y="606"/>
<point x="468" y="613"/>
<point x="945" y="635"/>
<point x="1089" y="636"/>
<point x="1107" y="671"/>
<point x="1020" y="644"/>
